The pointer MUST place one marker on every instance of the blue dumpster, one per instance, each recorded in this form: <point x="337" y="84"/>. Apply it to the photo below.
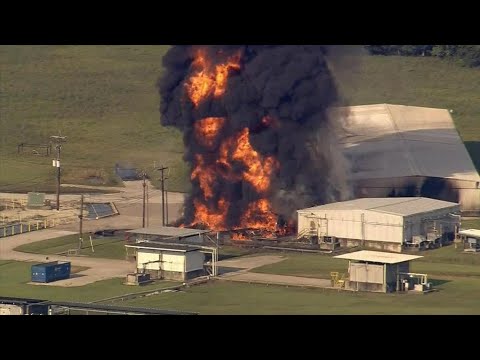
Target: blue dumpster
<point x="51" y="271"/>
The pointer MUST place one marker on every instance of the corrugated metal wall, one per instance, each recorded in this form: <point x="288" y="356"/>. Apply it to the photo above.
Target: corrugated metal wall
<point x="355" y="224"/>
<point x="195" y="261"/>
<point x="366" y="273"/>
<point x="171" y="261"/>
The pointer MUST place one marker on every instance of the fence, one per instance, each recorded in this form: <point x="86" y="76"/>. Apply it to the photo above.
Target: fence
<point x="8" y="204"/>
<point x="15" y="228"/>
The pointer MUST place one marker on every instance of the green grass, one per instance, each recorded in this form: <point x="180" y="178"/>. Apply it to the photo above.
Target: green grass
<point x="471" y="224"/>
<point x="107" y="247"/>
<point x="14" y="278"/>
<point x="441" y="263"/>
<point x="104" y="99"/>
<point x="455" y="297"/>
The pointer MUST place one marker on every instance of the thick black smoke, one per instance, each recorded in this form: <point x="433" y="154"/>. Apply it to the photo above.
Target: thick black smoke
<point x="435" y="188"/>
<point x="290" y="83"/>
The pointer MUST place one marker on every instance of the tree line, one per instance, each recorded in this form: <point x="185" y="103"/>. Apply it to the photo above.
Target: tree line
<point x="468" y="55"/>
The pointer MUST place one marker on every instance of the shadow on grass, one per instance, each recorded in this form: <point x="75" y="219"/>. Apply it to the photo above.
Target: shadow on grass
<point x="473" y="148"/>
<point x="225" y="270"/>
<point x="437" y="282"/>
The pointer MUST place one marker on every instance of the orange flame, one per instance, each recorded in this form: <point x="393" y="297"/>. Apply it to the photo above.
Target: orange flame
<point x="205" y="175"/>
<point x="206" y="130"/>
<point x="207" y="80"/>
<point x="257" y="174"/>
<point x="259" y="215"/>
<point x="213" y="218"/>
<point x="238" y="236"/>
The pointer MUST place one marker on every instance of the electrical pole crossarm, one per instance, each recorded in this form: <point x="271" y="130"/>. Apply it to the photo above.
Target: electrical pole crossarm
<point x="164" y="206"/>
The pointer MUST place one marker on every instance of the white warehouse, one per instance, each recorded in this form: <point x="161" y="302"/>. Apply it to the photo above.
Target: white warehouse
<point x="381" y="223"/>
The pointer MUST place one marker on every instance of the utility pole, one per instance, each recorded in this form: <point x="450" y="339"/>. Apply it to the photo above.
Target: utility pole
<point x="162" y="179"/>
<point x="56" y="163"/>
<point x="144" y="176"/>
<point x="80" y="239"/>
<point x="148" y="209"/>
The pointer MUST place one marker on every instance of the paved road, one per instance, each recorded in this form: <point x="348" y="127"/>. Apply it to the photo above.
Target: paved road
<point x="250" y="262"/>
<point x="238" y="269"/>
<point x="99" y="269"/>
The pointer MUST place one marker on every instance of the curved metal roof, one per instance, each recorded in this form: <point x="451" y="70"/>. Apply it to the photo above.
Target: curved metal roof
<point x="385" y="141"/>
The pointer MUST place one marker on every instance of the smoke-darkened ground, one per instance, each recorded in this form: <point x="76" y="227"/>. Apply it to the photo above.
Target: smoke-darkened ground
<point x="281" y="94"/>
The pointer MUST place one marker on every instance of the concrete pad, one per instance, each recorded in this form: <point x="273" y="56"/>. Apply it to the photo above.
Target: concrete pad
<point x="250" y="262"/>
<point x="274" y="279"/>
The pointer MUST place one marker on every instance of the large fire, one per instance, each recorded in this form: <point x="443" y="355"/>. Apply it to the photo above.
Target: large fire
<point x="208" y="79"/>
<point x="228" y="158"/>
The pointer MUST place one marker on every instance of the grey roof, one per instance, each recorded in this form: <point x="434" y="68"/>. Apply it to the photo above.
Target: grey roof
<point x="399" y="206"/>
<point x="163" y="247"/>
<point x="168" y="231"/>
<point x="378" y="257"/>
<point x="385" y="141"/>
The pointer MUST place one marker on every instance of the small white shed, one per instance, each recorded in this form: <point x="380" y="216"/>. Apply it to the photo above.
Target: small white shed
<point x="169" y="261"/>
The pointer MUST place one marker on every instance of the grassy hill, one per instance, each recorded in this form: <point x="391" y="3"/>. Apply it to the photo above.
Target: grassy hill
<point x="103" y="98"/>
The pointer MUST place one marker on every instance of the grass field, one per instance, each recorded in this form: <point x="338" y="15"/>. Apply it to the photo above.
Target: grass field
<point x="104" y="247"/>
<point x="103" y="98"/>
<point x="454" y="274"/>
<point x="471" y="224"/>
<point x="441" y="263"/>
<point x="454" y="297"/>
<point x="14" y="278"/>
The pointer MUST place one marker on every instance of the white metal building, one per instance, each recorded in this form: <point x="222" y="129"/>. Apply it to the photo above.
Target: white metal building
<point x="381" y="223"/>
<point x="407" y="151"/>
<point x="381" y="272"/>
<point x="171" y="262"/>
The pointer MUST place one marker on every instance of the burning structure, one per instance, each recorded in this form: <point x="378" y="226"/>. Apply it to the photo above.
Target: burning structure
<point x="257" y="134"/>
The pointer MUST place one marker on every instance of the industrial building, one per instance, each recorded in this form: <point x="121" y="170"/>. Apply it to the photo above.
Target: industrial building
<point x="167" y="252"/>
<point x="170" y="262"/>
<point x="171" y="234"/>
<point x="470" y="239"/>
<point x="397" y="150"/>
<point x="382" y="223"/>
<point x="382" y="272"/>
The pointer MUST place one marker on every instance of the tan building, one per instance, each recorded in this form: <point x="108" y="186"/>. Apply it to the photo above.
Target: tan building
<point x="398" y="150"/>
<point x="382" y="272"/>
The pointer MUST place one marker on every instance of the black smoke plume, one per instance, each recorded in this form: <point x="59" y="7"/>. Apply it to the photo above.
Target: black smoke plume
<point x="289" y="83"/>
<point x="434" y="188"/>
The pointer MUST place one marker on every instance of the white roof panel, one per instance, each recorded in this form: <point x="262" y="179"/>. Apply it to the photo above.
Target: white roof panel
<point x="403" y="206"/>
<point x="378" y="257"/>
<point x="470" y="232"/>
